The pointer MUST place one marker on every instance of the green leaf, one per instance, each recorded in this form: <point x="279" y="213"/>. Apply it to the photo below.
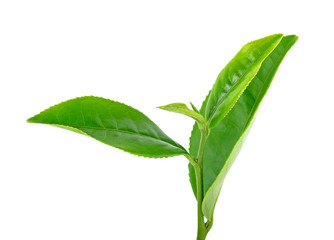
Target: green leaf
<point x="183" y="109"/>
<point x="236" y="76"/>
<point x="193" y="107"/>
<point x="226" y="139"/>
<point x="112" y="123"/>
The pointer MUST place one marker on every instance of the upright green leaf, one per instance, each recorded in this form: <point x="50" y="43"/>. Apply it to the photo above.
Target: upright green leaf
<point x="194" y="107"/>
<point x="226" y="139"/>
<point x="112" y="123"/>
<point x="235" y="77"/>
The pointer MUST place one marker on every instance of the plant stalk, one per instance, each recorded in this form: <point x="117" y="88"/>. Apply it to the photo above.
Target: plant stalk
<point x="202" y="227"/>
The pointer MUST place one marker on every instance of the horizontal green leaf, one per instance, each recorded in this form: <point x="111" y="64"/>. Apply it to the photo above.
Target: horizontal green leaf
<point x="183" y="109"/>
<point x="226" y="139"/>
<point x="112" y="123"/>
<point x="235" y="77"/>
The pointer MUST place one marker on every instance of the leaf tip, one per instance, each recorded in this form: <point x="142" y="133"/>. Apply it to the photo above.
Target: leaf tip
<point x="278" y="35"/>
<point x="194" y="107"/>
<point x="161" y="107"/>
<point x="31" y="120"/>
<point x="295" y="37"/>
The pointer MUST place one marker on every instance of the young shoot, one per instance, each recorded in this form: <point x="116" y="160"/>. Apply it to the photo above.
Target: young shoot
<point x="221" y="125"/>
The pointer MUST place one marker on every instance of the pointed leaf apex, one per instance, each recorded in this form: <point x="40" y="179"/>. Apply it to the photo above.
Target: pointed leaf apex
<point x="113" y="123"/>
<point x="194" y="108"/>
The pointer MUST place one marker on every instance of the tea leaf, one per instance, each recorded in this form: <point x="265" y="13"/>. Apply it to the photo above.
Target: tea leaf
<point x="112" y="123"/>
<point x="226" y="139"/>
<point x="193" y="107"/>
<point x="235" y="77"/>
<point x="183" y="109"/>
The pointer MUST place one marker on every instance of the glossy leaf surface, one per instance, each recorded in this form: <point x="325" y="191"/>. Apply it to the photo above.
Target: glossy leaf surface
<point x="226" y="139"/>
<point x="235" y="77"/>
<point x="112" y="123"/>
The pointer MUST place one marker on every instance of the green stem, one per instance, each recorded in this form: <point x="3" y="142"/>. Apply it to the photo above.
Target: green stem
<point x="202" y="227"/>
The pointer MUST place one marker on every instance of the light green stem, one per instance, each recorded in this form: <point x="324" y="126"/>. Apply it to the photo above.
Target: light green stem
<point x="202" y="227"/>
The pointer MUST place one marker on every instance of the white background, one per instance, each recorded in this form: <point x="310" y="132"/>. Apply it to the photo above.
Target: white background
<point x="55" y="184"/>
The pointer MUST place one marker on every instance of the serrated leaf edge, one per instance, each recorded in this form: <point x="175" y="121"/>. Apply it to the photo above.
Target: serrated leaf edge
<point x="245" y="129"/>
<point x="77" y="128"/>
<point x="220" y="99"/>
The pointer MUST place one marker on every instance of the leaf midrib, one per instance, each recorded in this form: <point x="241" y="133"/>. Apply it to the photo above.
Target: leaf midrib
<point x="257" y="98"/>
<point x="116" y="130"/>
<point x="222" y="97"/>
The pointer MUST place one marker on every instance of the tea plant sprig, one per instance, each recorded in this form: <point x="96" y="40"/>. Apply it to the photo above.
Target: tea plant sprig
<point x="221" y="126"/>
